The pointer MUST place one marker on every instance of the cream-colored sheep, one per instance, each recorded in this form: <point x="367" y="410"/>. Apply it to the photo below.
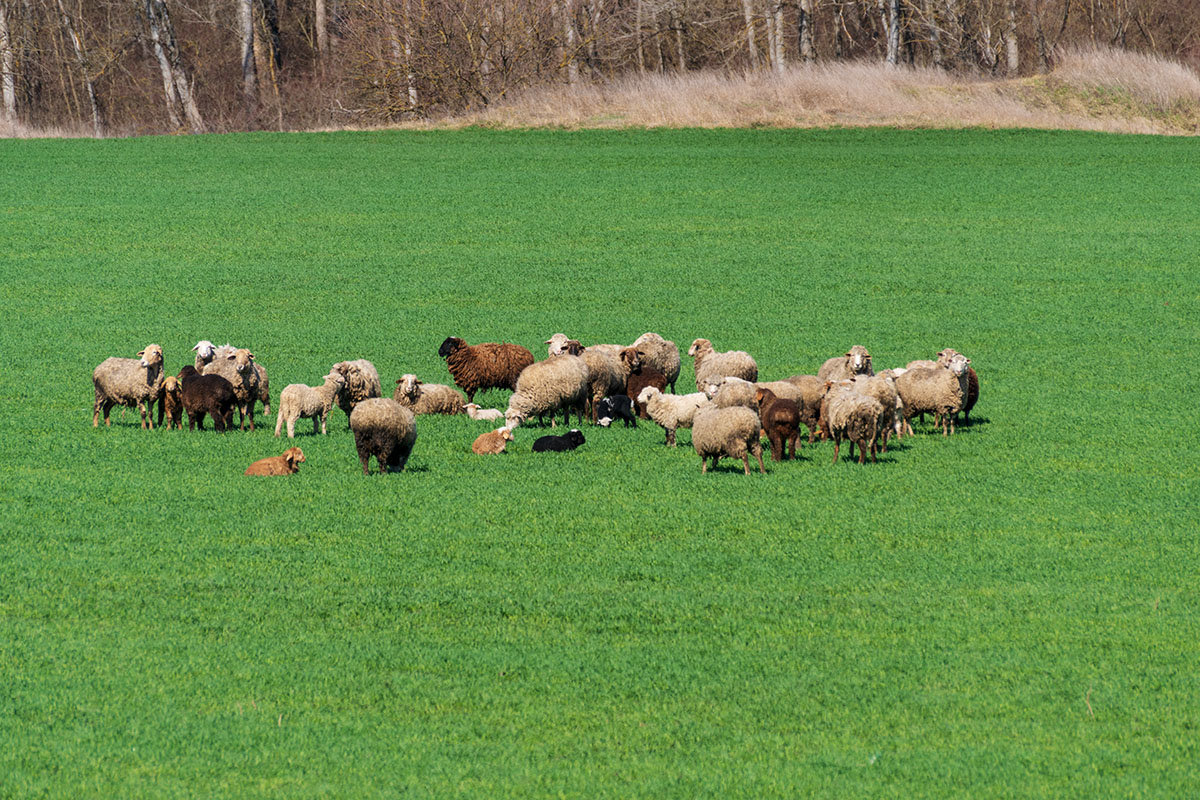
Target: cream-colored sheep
<point x="672" y="411"/>
<point x="727" y="432"/>
<point x="428" y="398"/>
<point x="298" y="401"/>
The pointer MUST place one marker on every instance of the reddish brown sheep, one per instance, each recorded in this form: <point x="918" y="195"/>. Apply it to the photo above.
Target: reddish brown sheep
<point x="492" y="442"/>
<point x="170" y="401"/>
<point x="781" y="420"/>
<point x="284" y="464"/>
<point x="491" y="365"/>
<point x="641" y="375"/>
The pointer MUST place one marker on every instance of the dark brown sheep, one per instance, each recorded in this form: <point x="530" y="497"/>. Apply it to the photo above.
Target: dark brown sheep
<point x="490" y="365"/>
<point x="781" y="420"/>
<point x="641" y="375"/>
<point x="207" y="394"/>
<point x="284" y="464"/>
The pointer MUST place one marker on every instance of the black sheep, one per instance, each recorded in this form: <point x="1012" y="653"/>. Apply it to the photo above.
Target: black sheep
<point x="614" y="407"/>
<point x="557" y="444"/>
<point x="207" y="394"/>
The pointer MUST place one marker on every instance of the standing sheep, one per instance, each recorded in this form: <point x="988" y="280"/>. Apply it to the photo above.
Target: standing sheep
<point x="883" y="388"/>
<point x="129" y="382"/>
<point x="710" y="364"/>
<point x="544" y="387"/>
<point x="608" y="372"/>
<point x="490" y="365"/>
<point x="729" y="391"/>
<point x="384" y="429"/>
<point x="854" y="417"/>
<point x="237" y="367"/>
<point x="427" y="398"/>
<point x="672" y="411"/>
<point x="206" y="352"/>
<point x="780" y="418"/>
<point x="362" y="383"/>
<point x="969" y="381"/>
<point x="170" y="401"/>
<point x="729" y="432"/>
<point x="839" y="368"/>
<point x="207" y="394"/>
<point x="935" y="391"/>
<point x="641" y="375"/>
<point x="660" y="354"/>
<point x="811" y="393"/>
<point x="298" y="401"/>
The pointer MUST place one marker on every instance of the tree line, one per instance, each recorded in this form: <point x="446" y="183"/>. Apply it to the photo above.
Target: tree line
<point x="142" y="66"/>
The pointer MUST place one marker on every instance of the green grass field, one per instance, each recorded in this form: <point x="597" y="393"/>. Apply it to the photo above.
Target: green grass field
<point x="1011" y="612"/>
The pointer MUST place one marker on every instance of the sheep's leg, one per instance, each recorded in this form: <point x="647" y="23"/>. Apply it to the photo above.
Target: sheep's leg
<point x="278" y="423"/>
<point x="142" y="409"/>
<point x="251" y="412"/>
<point x="365" y="460"/>
<point x="746" y="462"/>
<point x="671" y="436"/>
<point x="703" y="465"/>
<point x="316" y="422"/>
<point x="758" y="454"/>
<point x="323" y="431"/>
<point x="837" y="443"/>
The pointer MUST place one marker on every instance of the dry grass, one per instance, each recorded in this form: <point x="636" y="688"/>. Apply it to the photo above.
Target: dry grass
<point x="1102" y="90"/>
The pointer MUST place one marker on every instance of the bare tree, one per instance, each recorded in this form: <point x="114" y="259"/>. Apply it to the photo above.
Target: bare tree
<point x="751" y="45"/>
<point x="893" y="33"/>
<point x="1010" y="37"/>
<point x="320" y="23"/>
<point x="176" y="88"/>
<point x="8" y="85"/>
<point x="804" y="23"/>
<point x="84" y="69"/>
<point x="245" y="28"/>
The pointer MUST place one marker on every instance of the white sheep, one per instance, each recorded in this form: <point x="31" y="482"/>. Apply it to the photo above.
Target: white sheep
<point x="727" y="432"/>
<point x="728" y="391"/>
<point x="298" y="401"/>
<point x="672" y="411"/>
<point x="129" y="382"/>
<point x="711" y="364"/>
<point x="935" y="391"/>
<point x="362" y="383"/>
<point x="489" y="414"/>
<point x="545" y="387"/>
<point x="428" y="398"/>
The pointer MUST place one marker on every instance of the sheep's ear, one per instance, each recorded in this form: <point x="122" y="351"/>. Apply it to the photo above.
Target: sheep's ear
<point x="419" y="383"/>
<point x="399" y="381"/>
<point x="197" y="347"/>
<point x="141" y="352"/>
<point x="251" y="355"/>
<point x="847" y="354"/>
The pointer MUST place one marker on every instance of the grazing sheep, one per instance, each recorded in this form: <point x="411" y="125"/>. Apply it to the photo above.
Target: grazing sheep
<point x="883" y="388"/>
<point x="298" y="401"/>
<point x="207" y="394"/>
<point x="731" y="432"/>
<point x="490" y="414"/>
<point x="129" y="382"/>
<point x="729" y="391"/>
<point x="660" y="354"/>
<point x="559" y="444"/>
<point x="618" y="406"/>
<point x="490" y="365"/>
<point x="362" y="383"/>
<point x="385" y="429"/>
<point x="641" y="375"/>
<point x="780" y="418"/>
<point x="839" y="368"/>
<point x="935" y="391"/>
<point x="544" y="387"/>
<point x="672" y="411"/>
<point x="170" y="401"/>
<point x="854" y="417"/>
<point x="427" y="398"/>
<point x="812" y="392"/>
<point x="237" y="367"/>
<point x="711" y="364"/>
<point x="283" y="464"/>
<point x="492" y="442"/>
<point x="607" y="373"/>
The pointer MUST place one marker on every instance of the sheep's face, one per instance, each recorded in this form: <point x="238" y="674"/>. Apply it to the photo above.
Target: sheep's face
<point x="575" y="437"/>
<point x="712" y="387"/>
<point x="205" y="349"/>
<point x="958" y="364"/>
<point x="242" y="360"/>
<point x="513" y="418"/>
<point x="944" y="356"/>
<point x="151" y="356"/>
<point x="451" y="344"/>
<point x="860" y="359"/>
<point x="632" y="359"/>
<point x="293" y="456"/>
<point x="409" y="386"/>
<point x="505" y="433"/>
<point x="647" y="394"/>
<point x="573" y="347"/>
<point x="171" y="384"/>
<point x="557" y="344"/>
<point x="699" y="347"/>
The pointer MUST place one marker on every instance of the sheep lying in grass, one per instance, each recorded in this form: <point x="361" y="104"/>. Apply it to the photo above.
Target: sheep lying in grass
<point x="489" y="414"/>
<point x="384" y="429"/>
<point x="710" y="364"/>
<point x="490" y="365"/>
<point x="492" y="442"/>
<point x="727" y="432"/>
<point x="672" y="411"/>
<point x="129" y="382"/>
<point x="283" y="464"/>
<point x="427" y="398"/>
<point x="298" y="401"/>
<point x="855" y="362"/>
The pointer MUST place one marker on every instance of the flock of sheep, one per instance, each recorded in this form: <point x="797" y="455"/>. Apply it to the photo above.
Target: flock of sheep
<point x="729" y="413"/>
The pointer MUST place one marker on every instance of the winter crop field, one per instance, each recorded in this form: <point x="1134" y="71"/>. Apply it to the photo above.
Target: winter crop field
<point x="1011" y="611"/>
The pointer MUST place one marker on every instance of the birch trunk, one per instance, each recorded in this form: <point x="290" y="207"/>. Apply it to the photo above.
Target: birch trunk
<point x="839" y="24"/>
<point x="935" y="33"/>
<point x="81" y="59"/>
<point x="769" y="21"/>
<point x="677" y="24"/>
<point x="1010" y="37"/>
<point x="641" y="55"/>
<point x="8" y="83"/>
<point x="569" y="46"/>
<point x="321" y="27"/>
<point x="751" y="45"/>
<point x="245" y="23"/>
<point x="805" y="24"/>
<point x="780" y="58"/>
<point x="164" y="66"/>
<point x="893" y="33"/>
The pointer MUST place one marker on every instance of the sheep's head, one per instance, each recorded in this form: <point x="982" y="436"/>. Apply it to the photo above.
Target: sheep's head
<point x="409" y="386"/>
<point x="513" y="419"/>
<point x="557" y="344"/>
<point x="700" y="347"/>
<point x="763" y="395"/>
<point x="187" y="372"/>
<point x="449" y="346"/>
<point x="293" y="456"/>
<point x="470" y="408"/>
<point x="958" y="364"/>
<point x="860" y="359"/>
<point x="647" y="394"/>
<point x="171" y="384"/>
<point x="944" y="356"/>
<point x="242" y="359"/>
<point x="151" y="356"/>
<point x="575" y="437"/>
<point x="573" y="348"/>
<point x="505" y="433"/>
<point x="205" y="350"/>
<point x="632" y="358"/>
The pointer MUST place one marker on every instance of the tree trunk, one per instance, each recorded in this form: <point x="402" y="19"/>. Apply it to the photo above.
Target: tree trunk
<point x="164" y="66"/>
<point x="677" y="24"/>
<point x="321" y="27"/>
<point x="839" y="24"/>
<point x="893" y="33"/>
<point x="81" y="59"/>
<point x="805" y="24"/>
<point x="935" y="33"/>
<point x="1043" y="50"/>
<point x="270" y="17"/>
<point x="8" y="82"/>
<point x="769" y="21"/>
<point x="176" y="88"/>
<point x="245" y="23"/>
<point x="751" y="45"/>
<point x="569" y="43"/>
<point x="1010" y="37"/>
<point x="780" y="57"/>
<point x="641" y="55"/>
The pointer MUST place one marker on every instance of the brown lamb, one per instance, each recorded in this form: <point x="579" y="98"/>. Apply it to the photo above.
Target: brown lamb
<point x="284" y="464"/>
<point x="492" y="442"/>
<point x="171" y="402"/>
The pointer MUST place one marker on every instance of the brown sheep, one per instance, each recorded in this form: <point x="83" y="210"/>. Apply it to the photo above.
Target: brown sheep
<point x="781" y="420"/>
<point x="492" y="442"/>
<point x="207" y="394"/>
<point x="641" y="375"/>
<point x="490" y="365"/>
<point x="170" y="401"/>
<point x="812" y="392"/>
<point x="284" y="464"/>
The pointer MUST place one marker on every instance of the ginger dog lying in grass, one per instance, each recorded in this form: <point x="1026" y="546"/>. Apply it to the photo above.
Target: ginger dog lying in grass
<point x="284" y="464"/>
